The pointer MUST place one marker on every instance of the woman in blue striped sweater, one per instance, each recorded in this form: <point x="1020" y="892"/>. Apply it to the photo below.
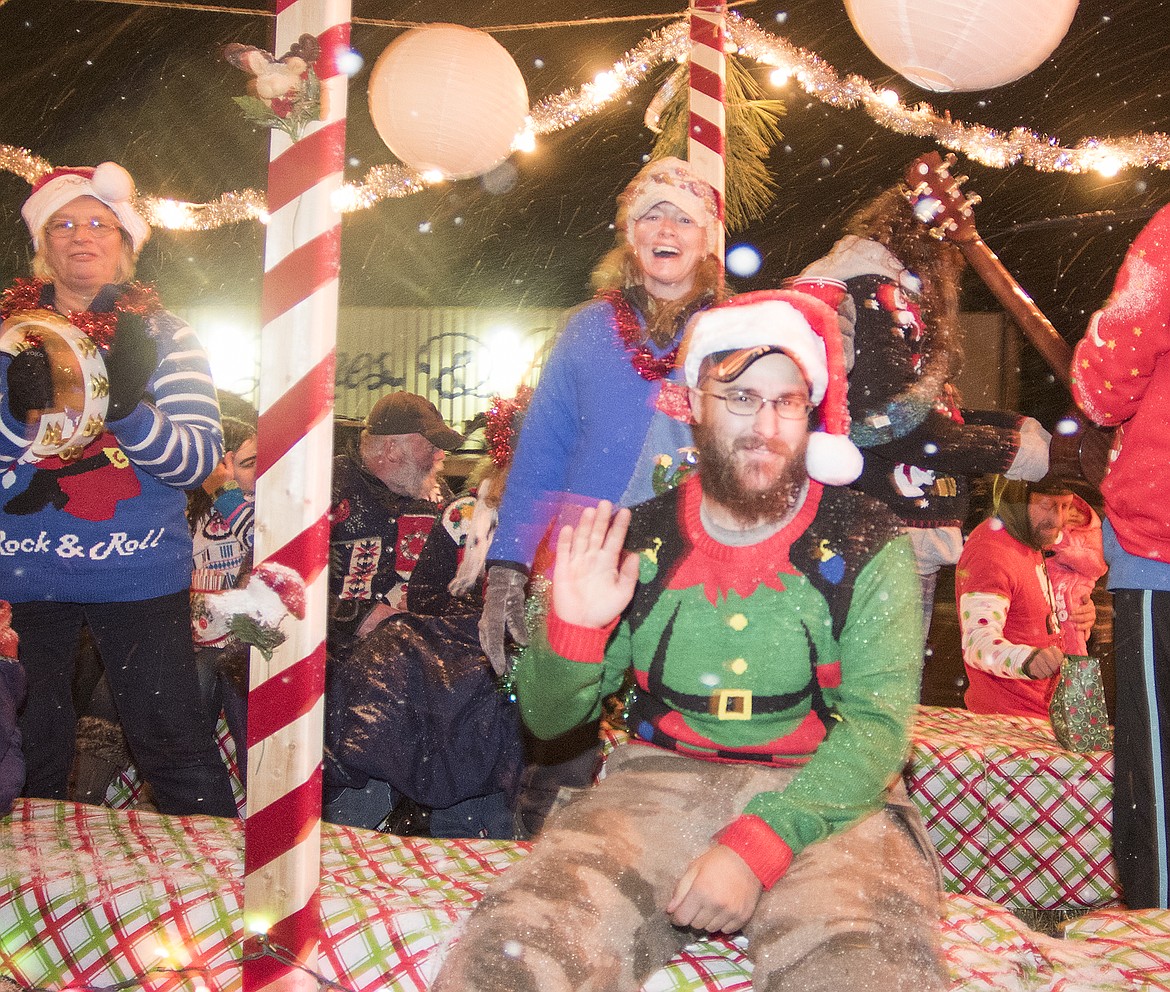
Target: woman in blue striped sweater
<point x="96" y="536"/>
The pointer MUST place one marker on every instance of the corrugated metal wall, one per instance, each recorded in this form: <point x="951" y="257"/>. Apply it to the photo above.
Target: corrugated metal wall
<point x="458" y="357"/>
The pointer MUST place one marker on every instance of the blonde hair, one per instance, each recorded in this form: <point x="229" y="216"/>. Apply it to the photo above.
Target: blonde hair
<point x="619" y="269"/>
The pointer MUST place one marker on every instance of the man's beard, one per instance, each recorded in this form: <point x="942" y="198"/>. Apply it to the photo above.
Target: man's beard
<point x="418" y="480"/>
<point x="719" y="475"/>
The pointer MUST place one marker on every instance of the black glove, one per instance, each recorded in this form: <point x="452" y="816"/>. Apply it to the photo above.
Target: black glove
<point x="130" y="362"/>
<point x="30" y="383"/>
<point x="43" y="489"/>
<point x="503" y="610"/>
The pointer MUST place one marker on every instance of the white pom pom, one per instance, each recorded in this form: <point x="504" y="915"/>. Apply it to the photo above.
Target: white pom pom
<point x="112" y="183"/>
<point x="832" y="459"/>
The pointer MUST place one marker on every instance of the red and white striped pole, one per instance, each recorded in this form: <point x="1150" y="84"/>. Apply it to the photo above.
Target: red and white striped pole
<point x="708" y="117"/>
<point x="302" y="261"/>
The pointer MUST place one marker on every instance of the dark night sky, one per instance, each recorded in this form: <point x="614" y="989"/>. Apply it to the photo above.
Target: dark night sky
<point x="87" y="81"/>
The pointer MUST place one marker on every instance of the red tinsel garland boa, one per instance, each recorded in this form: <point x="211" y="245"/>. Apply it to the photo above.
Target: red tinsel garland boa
<point x="503" y="424"/>
<point x="138" y="299"/>
<point x="630" y="333"/>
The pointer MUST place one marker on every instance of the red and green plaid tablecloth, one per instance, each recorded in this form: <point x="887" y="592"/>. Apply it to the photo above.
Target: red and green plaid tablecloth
<point x="91" y="896"/>
<point x="1014" y="817"/>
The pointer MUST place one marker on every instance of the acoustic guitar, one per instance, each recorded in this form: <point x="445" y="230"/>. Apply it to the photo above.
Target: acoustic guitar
<point x="1078" y="447"/>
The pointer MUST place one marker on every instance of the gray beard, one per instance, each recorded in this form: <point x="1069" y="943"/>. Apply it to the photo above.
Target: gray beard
<point x="410" y="480"/>
<point x="721" y="483"/>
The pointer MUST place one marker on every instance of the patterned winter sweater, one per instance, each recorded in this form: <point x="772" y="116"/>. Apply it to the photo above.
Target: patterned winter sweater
<point x="1121" y="378"/>
<point x="111" y="525"/>
<point x="802" y="650"/>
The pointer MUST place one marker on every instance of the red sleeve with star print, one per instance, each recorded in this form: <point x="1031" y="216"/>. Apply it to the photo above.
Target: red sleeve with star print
<point x="1121" y="378"/>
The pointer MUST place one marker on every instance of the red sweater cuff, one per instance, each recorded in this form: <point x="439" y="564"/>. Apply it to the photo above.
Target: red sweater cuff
<point x="766" y="854"/>
<point x="577" y="643"/>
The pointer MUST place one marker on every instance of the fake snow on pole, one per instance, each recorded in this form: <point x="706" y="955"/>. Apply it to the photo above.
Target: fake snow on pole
<point x="708" y="118"/>
<point x="302" y="258"/>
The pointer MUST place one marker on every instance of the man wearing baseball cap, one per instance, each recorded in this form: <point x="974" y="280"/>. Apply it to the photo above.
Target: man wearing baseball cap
<point x="386" y="495"/>
<point x="771" y="620"/>
<point x="408" y="691"/>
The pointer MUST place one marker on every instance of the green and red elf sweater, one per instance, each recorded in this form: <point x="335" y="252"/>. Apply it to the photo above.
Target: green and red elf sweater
<point x="802" y="650"/>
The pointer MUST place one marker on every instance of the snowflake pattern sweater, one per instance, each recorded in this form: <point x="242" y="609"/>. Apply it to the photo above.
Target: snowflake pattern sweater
<point x="802" y="650"/>
<point x="1121" y="378"/>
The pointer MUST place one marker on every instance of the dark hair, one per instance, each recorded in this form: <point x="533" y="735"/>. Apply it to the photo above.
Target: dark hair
<point x="1052" y="485"/>
<point x="235" y="433"/>
<point x="199" y="501"/>
<point x="889" y="220"/>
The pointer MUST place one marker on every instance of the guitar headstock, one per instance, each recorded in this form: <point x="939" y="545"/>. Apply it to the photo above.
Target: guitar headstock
<point x="937" y="198"/>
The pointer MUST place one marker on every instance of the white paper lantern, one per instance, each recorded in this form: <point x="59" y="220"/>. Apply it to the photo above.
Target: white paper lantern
<point x="449" y="99"/>
<point x="948" y="45"/>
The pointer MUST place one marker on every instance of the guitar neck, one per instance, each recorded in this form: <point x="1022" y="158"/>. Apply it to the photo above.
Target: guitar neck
<point x="1044" y="337"/>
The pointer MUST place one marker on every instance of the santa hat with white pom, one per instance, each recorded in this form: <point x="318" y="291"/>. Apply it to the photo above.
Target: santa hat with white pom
<point x="108" y="182"/>
<point x="751" y="325"/>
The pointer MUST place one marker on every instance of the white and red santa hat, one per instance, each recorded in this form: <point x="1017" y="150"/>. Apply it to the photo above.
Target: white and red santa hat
<point x="798" y="325"/>
<point x="108" y="182"/>
<point x="671" y="180"/>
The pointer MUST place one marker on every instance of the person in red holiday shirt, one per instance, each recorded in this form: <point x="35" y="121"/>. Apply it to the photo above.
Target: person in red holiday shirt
<point x="1121" y="379"/>
<point x="1076" y="563"/>
<point x="1008" y="614"/>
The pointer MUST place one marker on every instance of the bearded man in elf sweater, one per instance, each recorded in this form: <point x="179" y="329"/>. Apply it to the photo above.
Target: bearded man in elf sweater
<point x="773" y="627"/>
<point x="608" y="417"/>
<point x="95" y="533"/>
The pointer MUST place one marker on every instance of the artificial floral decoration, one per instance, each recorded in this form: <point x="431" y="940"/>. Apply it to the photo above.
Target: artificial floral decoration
<point x="251" y="613"/>
<point x="285" y="93"/>
<point x="752" y="129"/>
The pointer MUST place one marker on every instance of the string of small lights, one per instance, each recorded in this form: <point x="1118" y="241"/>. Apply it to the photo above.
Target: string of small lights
<point x="988" y="146"/>
<point x="263" y="947"/>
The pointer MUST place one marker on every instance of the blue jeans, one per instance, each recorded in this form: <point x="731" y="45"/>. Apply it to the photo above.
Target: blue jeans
<point x="480" y="816"/>
<point x="149" y="661"/>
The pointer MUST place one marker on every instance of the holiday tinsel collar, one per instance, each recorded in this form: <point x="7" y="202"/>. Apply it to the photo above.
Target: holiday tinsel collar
<point x="504" y="418"/>
<point x="629" y="331"/>
<point x="98" y="322"/>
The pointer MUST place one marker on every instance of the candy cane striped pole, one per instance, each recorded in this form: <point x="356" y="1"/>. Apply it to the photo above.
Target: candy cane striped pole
<point x="708" y="118"/>
<point x="302" y="260"/>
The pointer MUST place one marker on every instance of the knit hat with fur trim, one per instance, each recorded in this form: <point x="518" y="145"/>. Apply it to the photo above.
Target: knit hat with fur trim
<point x="798" y="325"/>
<point x="671" y="180"/>
<point x="109" y="182"/>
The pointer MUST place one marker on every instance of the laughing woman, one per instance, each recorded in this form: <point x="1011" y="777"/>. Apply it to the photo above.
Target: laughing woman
<point x="609" y="414"/>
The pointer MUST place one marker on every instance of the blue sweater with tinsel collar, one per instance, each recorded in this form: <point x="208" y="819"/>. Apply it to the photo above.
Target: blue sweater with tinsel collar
<point x="593" y="431"/>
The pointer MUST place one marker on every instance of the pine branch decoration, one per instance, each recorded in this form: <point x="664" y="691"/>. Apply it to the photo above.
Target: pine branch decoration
<point x="753" y="127"/>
